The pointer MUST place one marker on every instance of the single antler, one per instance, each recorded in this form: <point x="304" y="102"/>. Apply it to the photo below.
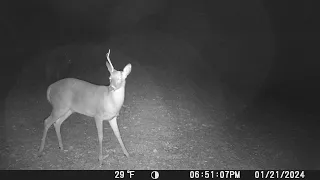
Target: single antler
<point x="107" y="55"/>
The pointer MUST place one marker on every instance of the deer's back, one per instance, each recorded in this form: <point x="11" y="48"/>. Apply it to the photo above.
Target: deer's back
<point x="76" y="95"/>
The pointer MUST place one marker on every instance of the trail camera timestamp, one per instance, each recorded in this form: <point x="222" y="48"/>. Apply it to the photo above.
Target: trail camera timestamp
<point x="214" y="174"/>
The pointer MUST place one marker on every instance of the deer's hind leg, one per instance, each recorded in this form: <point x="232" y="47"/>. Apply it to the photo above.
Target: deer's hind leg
<point x="56" y="119"/>
<point x="57" y="125"/>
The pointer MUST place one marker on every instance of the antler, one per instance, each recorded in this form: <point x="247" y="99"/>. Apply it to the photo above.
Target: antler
<point x="107" y="55"/>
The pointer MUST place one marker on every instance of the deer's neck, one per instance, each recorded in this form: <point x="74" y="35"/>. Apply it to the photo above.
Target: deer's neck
<point x="117" y="95"/>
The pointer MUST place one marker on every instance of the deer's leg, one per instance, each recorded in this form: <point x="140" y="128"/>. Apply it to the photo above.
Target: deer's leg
<point x="99" y="124"/>
<point x="57" y="126"/>
<point x="47" y="123"/>
<point x="114" y="126"/>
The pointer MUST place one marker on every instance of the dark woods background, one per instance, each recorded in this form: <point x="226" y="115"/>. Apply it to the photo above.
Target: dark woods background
<point x="254" y="50"/>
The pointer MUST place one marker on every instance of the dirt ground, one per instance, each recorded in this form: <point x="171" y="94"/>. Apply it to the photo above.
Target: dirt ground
<point x="164" y="123"/>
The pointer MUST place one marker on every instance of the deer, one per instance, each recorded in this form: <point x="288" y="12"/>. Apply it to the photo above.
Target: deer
<point x="70" y="95"/>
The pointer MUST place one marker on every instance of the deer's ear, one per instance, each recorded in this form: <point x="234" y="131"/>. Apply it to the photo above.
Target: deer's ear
<point x="127" y="70"/>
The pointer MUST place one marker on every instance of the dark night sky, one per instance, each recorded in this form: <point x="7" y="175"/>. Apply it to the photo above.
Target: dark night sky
<point x="232" y="38"/>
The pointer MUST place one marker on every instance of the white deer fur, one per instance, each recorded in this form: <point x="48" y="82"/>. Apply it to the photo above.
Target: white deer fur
<point x="100" y="102"/>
